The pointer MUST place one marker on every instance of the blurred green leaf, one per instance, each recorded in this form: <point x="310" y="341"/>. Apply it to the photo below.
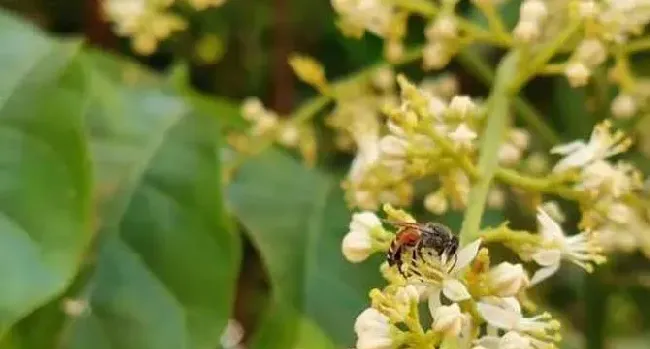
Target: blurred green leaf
<point x="570" y="111"/>
<point x="296" y="217"/>
<point x="167" y="262"/>
<point x="45" y="177"/>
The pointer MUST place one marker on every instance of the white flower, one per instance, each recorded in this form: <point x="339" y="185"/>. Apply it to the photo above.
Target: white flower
<point x="509" y="154"/>
<point x="444" y="27"/>
<point x="577" y="73"/>
<point x="436" y="202"/>
<point x="520" y="138"/>
<point x="463" y="137"/>
<point x="533" y="10"/>
<point x="371" y="15"/>
<point x="251" y="107"/>
<point x="591" y="52"/>
<point x="510" y="340"/>
<point x="393" y="146"/>
<point x="506" y="279"/>
<point x="461" y="107"/>
<point x="602" y="144"/>
<point x="624" y="106"/>
<point x="615" y="180"/>
<point x="448" y="320"/>
<point x="505" y="314"/>
<point x="527" y="31"/>
<point x="373" y="330"/>
<point x="447" y="283"/>
<point x="357" y="243"/>
<point x="581" y="249"/>
<point x="405" y="297"/>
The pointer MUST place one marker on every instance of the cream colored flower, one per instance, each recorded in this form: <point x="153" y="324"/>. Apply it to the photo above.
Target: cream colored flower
<point x="505" y="314"/>
<point x="448" y="320"/>
<point x="577" y="73"/>
<point x="373" y="330"/>
<point x="506" y="279"/>
<point x="357" y="243"/>
<point x="624" y="106"/>
<point x="463" y="137"/>
<point x="602" y="144"/>
<point x="580" y="249"/>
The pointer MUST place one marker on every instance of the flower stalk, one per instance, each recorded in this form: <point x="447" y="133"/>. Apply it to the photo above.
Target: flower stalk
<point x="495" y="130"/>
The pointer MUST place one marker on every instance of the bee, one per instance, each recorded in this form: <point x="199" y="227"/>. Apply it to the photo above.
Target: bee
<point x="415" y="237"/>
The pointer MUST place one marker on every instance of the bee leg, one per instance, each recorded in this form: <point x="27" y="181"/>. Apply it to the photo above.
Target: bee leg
<point x="455" y="256"/>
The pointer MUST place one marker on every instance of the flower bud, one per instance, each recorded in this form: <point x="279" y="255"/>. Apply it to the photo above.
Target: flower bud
<point x="520" y="138"/>
<point x="592" y="52"/>
<point x="463" y="137"/>
<point x="443" y="28"/>
<point x="527" y="31"/>
<point x="624" y="106"/>
<point x="506" y="279"/>
<point x="461" y="107"/>
<point x="435" y="55"/>
<point x="577" y="73"/>
<point x="448" y="320"/>
<point x="251" y="108"/>
<point x="393" y="146"/>
<point x="509" y="154"/>
<point x="357" y="243"/>
<point x="496" y="198"/>
<point x="532" y="11"/>
<point x="373" y="330"/>
<point x="436" y="202"/>
<point x="513" y="340"/>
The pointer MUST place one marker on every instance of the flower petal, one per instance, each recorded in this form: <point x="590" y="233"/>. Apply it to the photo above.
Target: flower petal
<point x="567" y="148"/>
<point x="497" y="316"/>
<point x="547" y="258"/>
<point x="488" y="342"/>
<point x="455" y="290"/>
<point x="434" y="300"/>
<point x="544" y="273"/>
<point x="549" y="228"/>
<point x="466" y="256"/>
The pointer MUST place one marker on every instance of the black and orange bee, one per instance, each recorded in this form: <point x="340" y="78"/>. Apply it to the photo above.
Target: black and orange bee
<point x="415" y="237"/>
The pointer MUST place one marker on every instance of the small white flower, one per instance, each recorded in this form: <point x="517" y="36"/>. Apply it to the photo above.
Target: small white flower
<point x="405" y="297"/>
<point x="604" y="177"/>
<point x="506" y="279"/>
<point x="577" y="73"/>
<point x="505" y="314"/>
<point x="581" y="249"/>
<point x="509" y="154"/>
<point x="448" y="320"/>
<point x="393" y="146"/>
<point x="591" y="52"/>
<point x="436" y="202"/>
<point x="496" y="198"/>
<point x="357" y="243"/>
<point x="602" y="144"/>
<point x="461" y="107"/>
<point x="373" y="330"/>
<point x="527" y="31"/>
<point x="251" y="107"/>
<point x="435" y="55"/>
<point x="444" y="27"/>
<point x="289" y="135"/>
<point x="533" y="10"/>
<point x="520" y="138"/>
<point x="624" y="106"/>
<point x="463" y="137"/>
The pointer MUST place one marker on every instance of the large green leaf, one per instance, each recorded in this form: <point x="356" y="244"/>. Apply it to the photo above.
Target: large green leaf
<point x="164" y="265"/>
<point x="167" y="262"/>
<point x="45" y="174"/>
<point x="296" y="218"/>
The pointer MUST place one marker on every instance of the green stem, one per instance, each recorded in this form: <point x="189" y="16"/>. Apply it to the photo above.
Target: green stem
<point x="495" y="131"/>
<point x="480" y="69"/>
<point x="534" y="184"/>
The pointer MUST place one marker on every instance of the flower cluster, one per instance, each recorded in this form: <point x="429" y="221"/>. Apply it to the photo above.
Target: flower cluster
<point x="266" y="124"/>
<point x="427" y="136"/>
<point x="147" y="22"/>
<point x="461" y="293"/>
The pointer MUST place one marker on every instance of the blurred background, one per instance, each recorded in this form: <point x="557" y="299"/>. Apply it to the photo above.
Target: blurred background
<point x="242" y="49"/>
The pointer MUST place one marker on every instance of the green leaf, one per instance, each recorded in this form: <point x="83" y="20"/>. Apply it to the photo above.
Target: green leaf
<point x="167" y="262"/>
<point x="45" y="174"/>
<point x="296" y="218"/>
